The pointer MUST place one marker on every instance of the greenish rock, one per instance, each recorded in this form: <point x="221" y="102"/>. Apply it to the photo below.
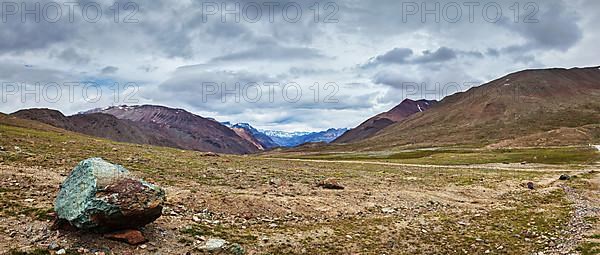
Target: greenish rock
<point x="237" y="249"/>
<point x="101" y="196"/>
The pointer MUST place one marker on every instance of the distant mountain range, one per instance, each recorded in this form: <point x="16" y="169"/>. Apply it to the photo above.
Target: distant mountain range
<point x="148" y="124"/>
<point x="270" y="138"/>
<point x="291" y="139"/>
<point x="178" y="128"/>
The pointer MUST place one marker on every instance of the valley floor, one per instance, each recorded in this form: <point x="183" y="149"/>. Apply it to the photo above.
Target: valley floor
<point x="273" y="206"/>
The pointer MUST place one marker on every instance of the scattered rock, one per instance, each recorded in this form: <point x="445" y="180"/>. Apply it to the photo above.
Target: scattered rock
<point x="388" y="210"/>
<point x="275" y="182"/>
<point x="564" y="177"/>
<point x="210" y="154"/>
<point x="196" y="219"/>
<point x="53" y="246"/>
<point x="530" y="185"/>
<point x="133" y="237"/>
<point x="237" y="249"/>
<point x="61" y="251"/>
<point x="101" y="196"/>
<point x="330" y="183"/>
<point x="213" y="245"/>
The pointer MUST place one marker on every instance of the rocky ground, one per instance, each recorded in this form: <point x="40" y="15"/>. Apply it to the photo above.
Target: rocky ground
<point x="253" y="205"/>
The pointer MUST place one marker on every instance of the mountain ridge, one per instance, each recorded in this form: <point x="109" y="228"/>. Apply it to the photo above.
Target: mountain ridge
<point x="516" y="105"/>
<point x="380" y="121"/>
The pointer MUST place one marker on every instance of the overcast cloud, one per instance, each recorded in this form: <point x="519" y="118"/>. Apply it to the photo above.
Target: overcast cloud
<point x="350" y="62"/>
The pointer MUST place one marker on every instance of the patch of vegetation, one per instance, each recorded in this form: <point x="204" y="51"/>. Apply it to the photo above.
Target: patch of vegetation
<point x="589" y="248"/>
<point x="466" y="156"/>
<point x="594" y="236"/>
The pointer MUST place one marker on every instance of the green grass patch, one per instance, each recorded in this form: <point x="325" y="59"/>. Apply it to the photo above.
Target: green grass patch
<point x="589" y="248"/>
<point x="563" y="155"/>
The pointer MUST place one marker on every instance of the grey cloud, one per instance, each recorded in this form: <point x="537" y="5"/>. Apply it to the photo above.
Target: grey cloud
<point x="440" y="55"/>
<point x="406" y="56"/>
<point x="556" y="28"/>
<point x="423" y="84"/>
<point x="396" y="55"/>
<point x="148" y="68"/>
<point x="109" y="70"/>
<point x="271" y="52"/>
<point x="172" y="33"/>
<point x="492" y="52"/>
<point x="11" y="72"/>
<point x="73" y="56"/>
<point x="225" y="92"/>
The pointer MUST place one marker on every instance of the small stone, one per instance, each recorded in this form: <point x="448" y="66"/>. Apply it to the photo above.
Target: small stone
<point x="213" y="245"/>
<point x="143" y="246"/>
<point x="237" y="249"/>
<point x="275" y="182"/>
<point x="53" y="246"/>
<point x="61" y="251"/>
<point x="388" y="210"/>
<point x="530" y="185"/>
<point x="210" y="154"/>
<point x="273" y="225"/>
<point x="330" y="183"/>
<point x="564" y="177"/>
<point x="133" y="237"/>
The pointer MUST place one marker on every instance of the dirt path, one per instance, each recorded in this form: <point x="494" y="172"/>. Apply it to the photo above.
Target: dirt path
<point x="537" y="167"/>
<point x="585" y="207"/>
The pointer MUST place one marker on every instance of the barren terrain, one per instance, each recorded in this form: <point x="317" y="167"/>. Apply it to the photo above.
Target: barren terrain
<point x="273" y="206"/>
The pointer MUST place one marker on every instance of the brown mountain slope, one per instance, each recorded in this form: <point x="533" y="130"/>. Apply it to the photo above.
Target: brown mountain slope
<point x="243" y="133"/>
<point x="588" y="134"/>
<point x="517" y="105"/>
<point x="97" y="124"/>
<point x="48" y="116"/>
<point x="186" y="130"/>
<point x="376" y="123"/>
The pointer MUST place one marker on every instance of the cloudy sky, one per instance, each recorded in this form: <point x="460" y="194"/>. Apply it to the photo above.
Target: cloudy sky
<point x="334" y="65"/>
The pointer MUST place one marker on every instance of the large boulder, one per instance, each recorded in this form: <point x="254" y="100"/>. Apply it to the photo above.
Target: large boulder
<point x="101" y="196"/>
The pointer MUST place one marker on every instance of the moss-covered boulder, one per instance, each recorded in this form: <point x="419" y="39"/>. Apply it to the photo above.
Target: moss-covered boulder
<point x="101" y="196"/>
